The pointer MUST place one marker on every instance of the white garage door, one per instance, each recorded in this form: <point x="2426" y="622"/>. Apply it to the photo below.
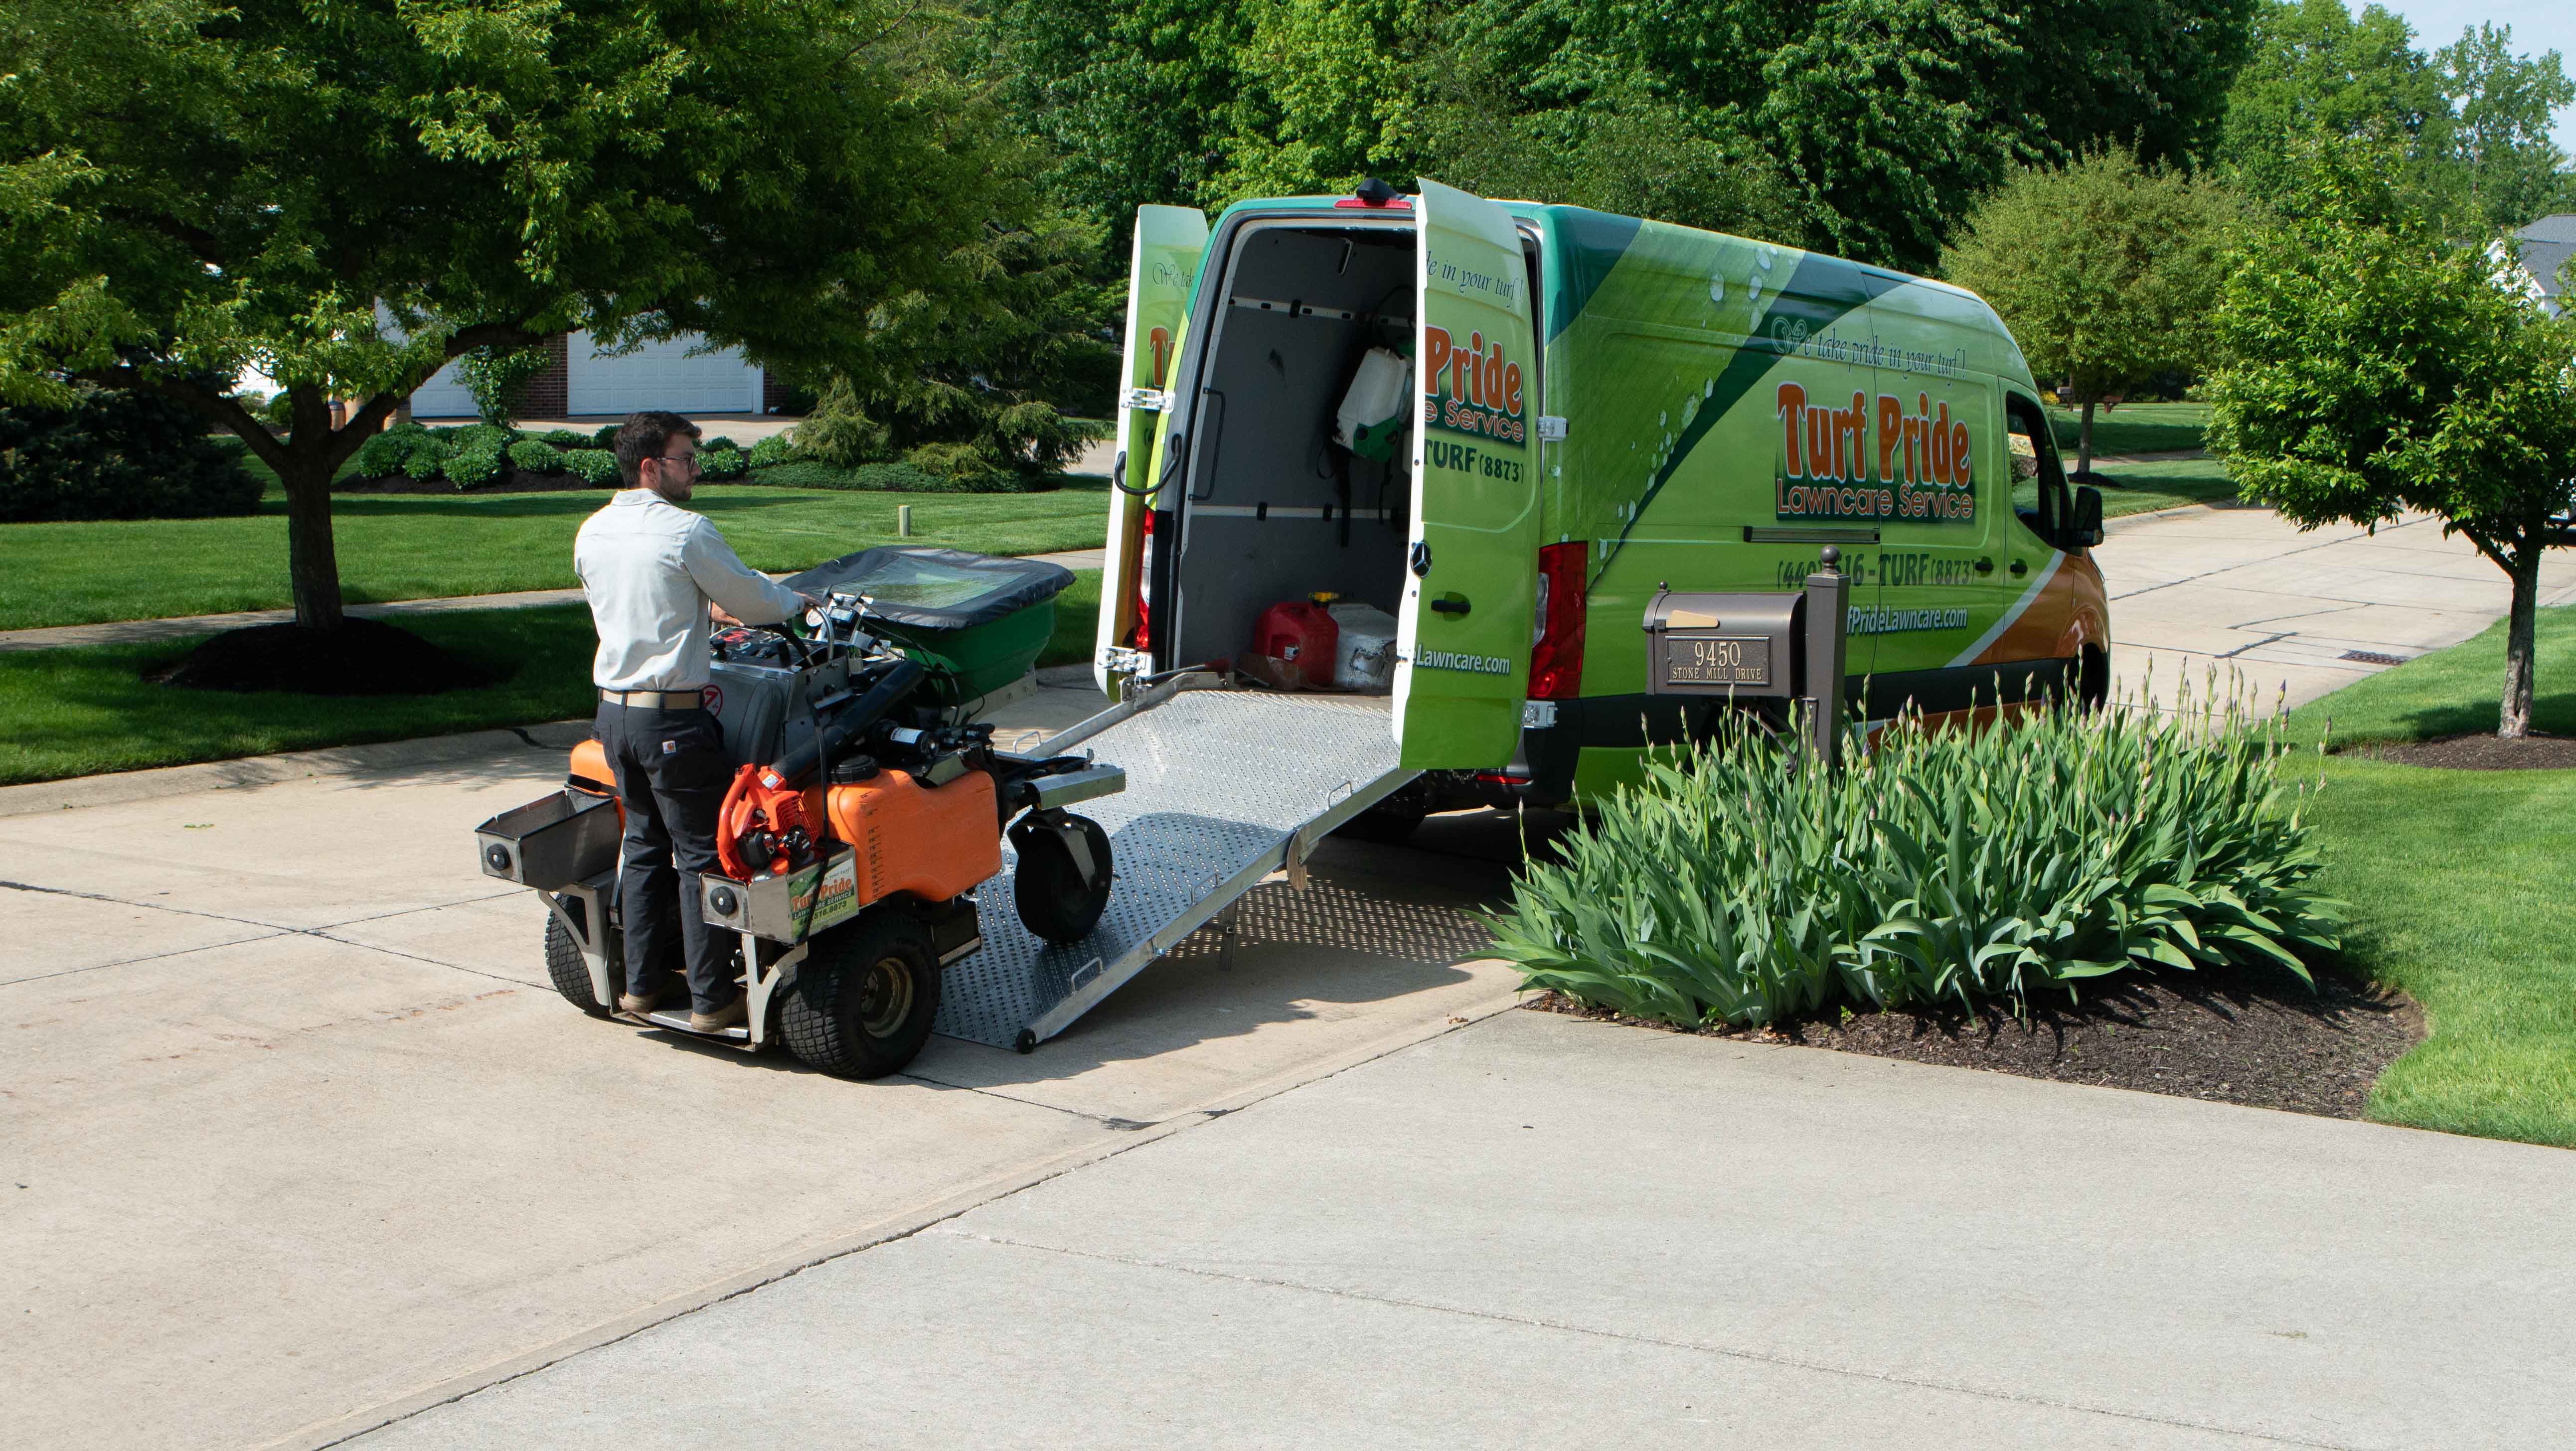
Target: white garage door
<point x="443" y="396"/>
<point x="661" y="375"/>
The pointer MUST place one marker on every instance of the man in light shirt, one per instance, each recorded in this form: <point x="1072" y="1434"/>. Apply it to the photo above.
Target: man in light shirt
<point x="658" y="578"/>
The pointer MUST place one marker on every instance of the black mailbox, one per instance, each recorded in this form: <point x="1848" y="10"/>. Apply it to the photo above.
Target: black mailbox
<point x="1746" y="645"/>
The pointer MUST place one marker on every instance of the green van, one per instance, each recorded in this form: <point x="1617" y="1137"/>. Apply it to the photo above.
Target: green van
<point x="1608" y="407"/>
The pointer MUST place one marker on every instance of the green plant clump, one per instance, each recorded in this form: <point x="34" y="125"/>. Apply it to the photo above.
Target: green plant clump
<point x="565" y="438"/>
<point x="771" y="451"/>
<point x="1741" y="884"/>
<point x="899" y="478"/>
<point x="722" y="463"/>
<point x="537" y="458"/>
<point x="594" y="466"/>
<point x="472" y="468"/>
<point x="115" y="455"/>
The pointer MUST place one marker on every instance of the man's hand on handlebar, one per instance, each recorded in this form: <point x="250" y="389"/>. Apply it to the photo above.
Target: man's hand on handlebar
<point x="720" y="614"/>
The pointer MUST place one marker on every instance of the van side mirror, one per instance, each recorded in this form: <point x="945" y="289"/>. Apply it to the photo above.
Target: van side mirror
<point x="2088" y="518"/>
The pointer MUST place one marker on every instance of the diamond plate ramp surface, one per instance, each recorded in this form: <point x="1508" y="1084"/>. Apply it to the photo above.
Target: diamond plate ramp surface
<point x="1218" y="781"/>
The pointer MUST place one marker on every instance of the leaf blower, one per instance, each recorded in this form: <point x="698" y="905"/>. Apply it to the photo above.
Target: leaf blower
<point x="771" y="818"/>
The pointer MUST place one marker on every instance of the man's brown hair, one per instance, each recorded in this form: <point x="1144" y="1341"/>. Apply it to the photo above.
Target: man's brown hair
<point x="644" y="435"/>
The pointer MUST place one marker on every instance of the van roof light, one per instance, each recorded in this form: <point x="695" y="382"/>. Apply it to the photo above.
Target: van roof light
<point x="1374" y="193"/>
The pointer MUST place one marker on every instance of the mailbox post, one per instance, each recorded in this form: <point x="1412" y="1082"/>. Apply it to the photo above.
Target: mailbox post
<point x="1786" y="645"/>
<point x="1828" y="594"/>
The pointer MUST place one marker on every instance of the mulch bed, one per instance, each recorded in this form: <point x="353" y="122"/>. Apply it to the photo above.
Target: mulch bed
<point x="361" y="657"/>
<point x="2248" y="1036"/>
<point x="2533" y="752"/>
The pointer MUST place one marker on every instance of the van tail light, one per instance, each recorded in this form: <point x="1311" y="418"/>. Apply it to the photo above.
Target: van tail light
<point x="1556" y="656"/>
<point x="1144" y="636"/>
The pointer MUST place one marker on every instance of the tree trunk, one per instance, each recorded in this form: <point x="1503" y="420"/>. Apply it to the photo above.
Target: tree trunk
<point x="2084" y="442"/>
<point x="2513" y="722"/>
<point x="312" y="558"/>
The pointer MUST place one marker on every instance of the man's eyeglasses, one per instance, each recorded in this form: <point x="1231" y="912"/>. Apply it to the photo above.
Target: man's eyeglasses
<point x="687" y="461"/>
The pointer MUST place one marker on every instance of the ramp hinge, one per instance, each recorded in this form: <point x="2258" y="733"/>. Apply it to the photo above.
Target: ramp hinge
<point x="1148" y="400"/>
<point x="1551" y="429"/>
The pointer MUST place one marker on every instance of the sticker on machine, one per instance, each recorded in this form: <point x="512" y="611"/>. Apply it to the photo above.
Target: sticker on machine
<point x="840" y="894"/>
<point x="714" y="697"/>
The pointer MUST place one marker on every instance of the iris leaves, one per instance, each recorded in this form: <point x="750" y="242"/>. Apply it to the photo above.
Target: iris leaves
<point x="1739" y="884"/>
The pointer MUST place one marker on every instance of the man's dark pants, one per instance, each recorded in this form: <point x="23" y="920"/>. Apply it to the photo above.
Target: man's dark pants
<point x="671" y="776"/>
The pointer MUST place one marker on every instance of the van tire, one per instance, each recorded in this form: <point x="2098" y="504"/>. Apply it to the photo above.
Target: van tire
<point x="569" y="969"/>
<point x="2092" y="679"/>
<point x="865" y="998"/>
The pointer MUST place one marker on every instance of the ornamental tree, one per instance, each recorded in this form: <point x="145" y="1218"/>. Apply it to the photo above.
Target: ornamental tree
<point x="2372" y="367"/>
<point x="2103" y="270"/>
<point x="346" y="195"/>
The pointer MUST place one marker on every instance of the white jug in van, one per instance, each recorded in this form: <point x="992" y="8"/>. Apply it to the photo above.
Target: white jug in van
<point x="1365" y="658"/>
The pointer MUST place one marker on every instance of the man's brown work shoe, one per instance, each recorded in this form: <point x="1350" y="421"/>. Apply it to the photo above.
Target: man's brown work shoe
<point x="635" y="1007"/>
<point x="731" y="1015"/>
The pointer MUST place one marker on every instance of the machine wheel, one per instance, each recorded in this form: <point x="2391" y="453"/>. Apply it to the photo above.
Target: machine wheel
<point x="1057" y="899"/>
<point x="571" y="974"/>
<point x="863" y="1002"/>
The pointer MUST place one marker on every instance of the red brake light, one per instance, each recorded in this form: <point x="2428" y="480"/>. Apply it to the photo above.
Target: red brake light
<point x="1556" y="661"/>
<point x="1395" y="204"/>
<point x="1144" y="638"/>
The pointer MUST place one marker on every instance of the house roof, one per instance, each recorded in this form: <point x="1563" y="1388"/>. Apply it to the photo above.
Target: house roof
<point x="2546" y="246"/>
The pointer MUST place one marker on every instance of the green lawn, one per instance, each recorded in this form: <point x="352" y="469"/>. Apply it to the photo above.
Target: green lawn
<point x="77" y="712"/>
<point x="2458" y="884"/>
<point x="2144" y="488"/>
<point x="2132" y="428"/>
<point x="421" y="546"/>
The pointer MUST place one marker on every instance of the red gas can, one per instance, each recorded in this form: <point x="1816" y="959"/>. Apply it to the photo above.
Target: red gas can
<point x="1302" y="633"/>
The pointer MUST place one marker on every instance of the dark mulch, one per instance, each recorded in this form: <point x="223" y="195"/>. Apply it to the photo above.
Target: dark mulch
<point x="2481" y="753"/>
<point x="361" y="657"/>
<point x="2232" y="1035"/>
<point x="508" y="481"/>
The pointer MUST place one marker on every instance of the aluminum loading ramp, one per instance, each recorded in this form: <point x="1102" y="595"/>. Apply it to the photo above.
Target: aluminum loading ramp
<point x="1224" y="787"/>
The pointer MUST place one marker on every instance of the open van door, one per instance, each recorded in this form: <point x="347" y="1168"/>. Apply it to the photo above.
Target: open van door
<point x="1471" y="580"/>
<point x="1162" y="267"/>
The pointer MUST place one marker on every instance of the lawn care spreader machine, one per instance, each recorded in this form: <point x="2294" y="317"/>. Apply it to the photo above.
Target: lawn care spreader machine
<point x="864" y="813"/>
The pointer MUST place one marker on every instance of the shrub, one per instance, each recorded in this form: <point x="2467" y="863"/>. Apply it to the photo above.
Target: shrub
<point x="565" y="438"/>
<point x="721" y="463"/>
<point x="428" y="456"/>
<point x="472" y="468"/>
<point x="595" y="466"/>
<point x="605" y="436"/>
<point x="839" y="432"/>
<point x="495" y="375"/>
<point x="535" y="457"/>
<point x="382" y="456"/>
<point x="278" y="412"/>
<point x="719" y="441"/>
<point x="118" y="455"/>
<point x="1742" y="885"/>
<point x="773" y="450"/>
<point x="478" y="436"/>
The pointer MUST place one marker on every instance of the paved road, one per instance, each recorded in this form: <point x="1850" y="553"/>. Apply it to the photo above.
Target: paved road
<point x="1540" y="1232"/>
<point x="2241" y="590"/>
<point x="295" y="1129"/>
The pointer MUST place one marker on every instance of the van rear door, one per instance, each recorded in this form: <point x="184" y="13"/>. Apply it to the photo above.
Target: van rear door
<point x="1471" y="580"/>
<point x="1162" y="268"/>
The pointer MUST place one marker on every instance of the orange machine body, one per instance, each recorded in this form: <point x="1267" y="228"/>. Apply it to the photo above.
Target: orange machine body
<point x="935" y="842"/>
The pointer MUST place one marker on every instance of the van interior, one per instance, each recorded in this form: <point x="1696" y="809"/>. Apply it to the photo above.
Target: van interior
<point x="1274" y="509"/>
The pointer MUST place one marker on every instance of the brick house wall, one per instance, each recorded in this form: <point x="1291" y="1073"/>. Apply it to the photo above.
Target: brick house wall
<point x="773" y="392"/>
<point x="547" y="394"/>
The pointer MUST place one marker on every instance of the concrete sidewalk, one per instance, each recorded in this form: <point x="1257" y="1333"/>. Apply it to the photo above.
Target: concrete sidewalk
<point x="2291" y="610"/>
<point x="130" y="632"/>
<point x="1538" y="1231"/>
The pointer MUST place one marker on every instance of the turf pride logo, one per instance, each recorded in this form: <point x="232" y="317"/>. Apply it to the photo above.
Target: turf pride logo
<point x="1484" y="387"/>
<point x="1923" y="460"/>
<point x="1454" y="660"/>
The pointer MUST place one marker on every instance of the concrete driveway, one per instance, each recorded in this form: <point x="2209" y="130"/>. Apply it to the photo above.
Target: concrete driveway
<point x="296" y="1131"/>
<point x="2294" y="613"/>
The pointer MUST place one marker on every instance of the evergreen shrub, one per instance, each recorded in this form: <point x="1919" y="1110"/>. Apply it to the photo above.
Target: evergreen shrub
<point x="118" y="455"/>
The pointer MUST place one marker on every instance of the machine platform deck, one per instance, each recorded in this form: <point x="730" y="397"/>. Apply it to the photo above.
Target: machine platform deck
<point x="1223" y="787"/>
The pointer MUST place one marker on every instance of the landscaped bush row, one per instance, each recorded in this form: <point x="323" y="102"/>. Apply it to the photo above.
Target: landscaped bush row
<point x="1741" y="884"/>
<point x="478" y="454"/>
<point x="118" y="455"/>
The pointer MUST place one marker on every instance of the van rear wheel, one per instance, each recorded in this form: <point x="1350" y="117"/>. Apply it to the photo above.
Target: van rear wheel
<point x="865" y="997"/>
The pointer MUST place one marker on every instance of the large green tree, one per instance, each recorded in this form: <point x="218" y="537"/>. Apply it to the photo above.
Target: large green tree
<point x="2465" y="130"/>
<point x="345" y="195"/>
<point x="1878" y="119"/>
<point x="2374" y="366"/>
<point x="2106" y="271"/>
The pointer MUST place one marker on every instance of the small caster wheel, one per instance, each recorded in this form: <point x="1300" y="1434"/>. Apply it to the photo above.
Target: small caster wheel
<point x="1027" y="1042"/>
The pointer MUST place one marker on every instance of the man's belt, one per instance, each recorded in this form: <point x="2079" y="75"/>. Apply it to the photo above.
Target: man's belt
<point x="656" y="699"/>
